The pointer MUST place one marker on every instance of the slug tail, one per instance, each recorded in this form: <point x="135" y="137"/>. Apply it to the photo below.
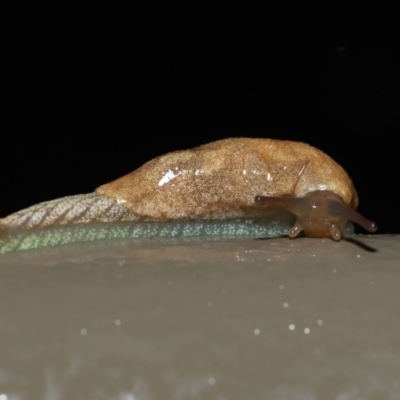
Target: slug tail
<point x="71" y="210"/>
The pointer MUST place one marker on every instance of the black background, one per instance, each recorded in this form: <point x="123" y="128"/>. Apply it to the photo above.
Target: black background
<point x="90" y="95"/>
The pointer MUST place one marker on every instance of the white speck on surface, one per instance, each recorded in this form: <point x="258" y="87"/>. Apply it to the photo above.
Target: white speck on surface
<point x="117" y="322"/>
<point x="334" y="271"/>
<point x="320" y="322"/>
<point x="281" y="287"/>
<point x="3" y="396"/>
<point x="307" y="331"/>
<point x="286" y="305"/>
<point x="292" y="327"/>
<point x="211" y="380"/>
<point x="358" y="255"/>
<point x="83" y="331"/>
<point x="169" y="282"/>
<point x="257" y="331"/>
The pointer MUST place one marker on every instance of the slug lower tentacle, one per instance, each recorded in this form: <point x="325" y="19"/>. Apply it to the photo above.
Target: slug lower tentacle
<point x="216" y="181"/>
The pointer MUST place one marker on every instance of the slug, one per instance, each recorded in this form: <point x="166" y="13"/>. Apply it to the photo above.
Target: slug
<point x="236" y="180"/>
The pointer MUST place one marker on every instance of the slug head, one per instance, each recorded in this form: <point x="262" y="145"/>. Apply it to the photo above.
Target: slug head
<point x="320" y="214"/>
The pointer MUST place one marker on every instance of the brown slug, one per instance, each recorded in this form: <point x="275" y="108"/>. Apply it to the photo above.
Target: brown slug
<point x="223" y="180"/>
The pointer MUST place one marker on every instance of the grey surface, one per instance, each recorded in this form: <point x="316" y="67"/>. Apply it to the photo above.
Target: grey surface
<point x="174" y="319"/>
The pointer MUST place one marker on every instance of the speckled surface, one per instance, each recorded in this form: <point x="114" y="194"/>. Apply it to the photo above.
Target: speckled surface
<point x="209" y="319"/>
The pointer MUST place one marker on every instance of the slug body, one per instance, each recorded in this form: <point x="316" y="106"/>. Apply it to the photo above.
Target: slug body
<point x="224" y="180"/>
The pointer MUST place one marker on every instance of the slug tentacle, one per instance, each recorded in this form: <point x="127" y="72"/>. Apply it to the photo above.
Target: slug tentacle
<point x="319" y="214"/>
<point x="341" y="210"/>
